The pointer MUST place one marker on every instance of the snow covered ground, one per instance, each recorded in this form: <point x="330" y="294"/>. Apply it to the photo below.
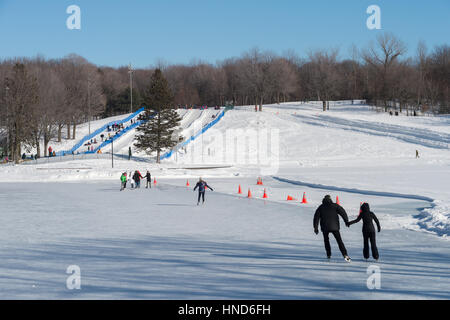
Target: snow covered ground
<point x="158" y="244"/>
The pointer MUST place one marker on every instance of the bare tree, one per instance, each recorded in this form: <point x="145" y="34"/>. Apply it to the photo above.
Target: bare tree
<point x="323" y="74"/>
<point x="22" y="96"/>
<point x="382" y="57"/>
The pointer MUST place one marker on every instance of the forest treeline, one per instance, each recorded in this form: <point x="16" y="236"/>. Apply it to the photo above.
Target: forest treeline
<point x="40" y="99"/>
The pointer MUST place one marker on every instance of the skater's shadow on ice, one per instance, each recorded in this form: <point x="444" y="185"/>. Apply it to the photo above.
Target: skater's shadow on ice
<point x="197" y="268"/>
<point x="175" y="205"/>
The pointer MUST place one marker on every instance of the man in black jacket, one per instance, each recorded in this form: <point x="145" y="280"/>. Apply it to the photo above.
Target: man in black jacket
<point x="149" y="180"/>
<point x="201" y="185"/>
<point x="368" y="230"/>
<point x="328" y="215"/>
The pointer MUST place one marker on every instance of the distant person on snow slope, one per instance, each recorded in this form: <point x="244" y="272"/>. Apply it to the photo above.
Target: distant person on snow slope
<point x="328" y="215"/>
<point x="201" y="185"/>
<point x="368" y="230"/>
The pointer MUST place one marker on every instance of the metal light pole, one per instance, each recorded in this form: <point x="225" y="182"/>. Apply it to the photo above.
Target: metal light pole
<point x="130" y="71"/>
<point x="7" y="120"/>
<point x="89" y="104"/>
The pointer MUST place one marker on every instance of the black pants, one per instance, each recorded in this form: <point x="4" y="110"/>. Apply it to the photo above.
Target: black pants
<point x="373" y="243"/>
<point x="201" y="194"/>
<point x="149" y="184"/>
<point x="338" y="238"/>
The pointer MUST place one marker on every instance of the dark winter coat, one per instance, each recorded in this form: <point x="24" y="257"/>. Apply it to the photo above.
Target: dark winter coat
<point x="148" y="176"/>
<point x="328" y="215"/>
<point x="202" y="185"/>
<point x="367" y="217"/>
<point x="137" y="176"/>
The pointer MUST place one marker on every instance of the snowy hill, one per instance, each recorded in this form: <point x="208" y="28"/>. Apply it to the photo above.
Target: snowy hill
<point x="234" y="246"/>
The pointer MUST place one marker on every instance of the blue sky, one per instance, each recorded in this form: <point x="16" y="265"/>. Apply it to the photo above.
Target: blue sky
<point x="116" y="32"/>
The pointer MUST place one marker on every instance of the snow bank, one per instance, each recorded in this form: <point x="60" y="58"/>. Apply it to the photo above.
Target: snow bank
<point x="436" y="219"/>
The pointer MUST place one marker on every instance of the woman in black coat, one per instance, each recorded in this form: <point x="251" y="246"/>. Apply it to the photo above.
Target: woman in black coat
<point x="368" y="230"/>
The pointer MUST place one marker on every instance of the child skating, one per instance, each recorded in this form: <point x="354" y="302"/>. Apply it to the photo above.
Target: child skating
<point x="201" y="185"/>
<point x="123" y="180"/>
<point x="368" y="230"/>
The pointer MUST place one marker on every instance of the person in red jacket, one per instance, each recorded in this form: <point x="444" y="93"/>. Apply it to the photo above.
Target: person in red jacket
<point x="137" y="178"/>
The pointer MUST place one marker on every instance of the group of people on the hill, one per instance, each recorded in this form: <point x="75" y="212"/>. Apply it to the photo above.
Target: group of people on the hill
<point x="115" y="127"/>
<point x="327" y="214"/>
<point x="134" y="179"/>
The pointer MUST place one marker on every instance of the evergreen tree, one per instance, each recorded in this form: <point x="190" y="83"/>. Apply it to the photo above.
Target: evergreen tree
<point x="157" y="133"/>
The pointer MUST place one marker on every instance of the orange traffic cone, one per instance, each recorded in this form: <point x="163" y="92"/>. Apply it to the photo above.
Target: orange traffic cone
<point x="239" y="190"/>
<point x="265" y="194"/>
<point x="259" y="182"/>
<point x="187" y="183"/>
<point x="289" y="198"/>
<point x="249" y="195"/>
<point x="304" y="198"/>
<point x="154" y="181"/>
<point x="337" y="200"/>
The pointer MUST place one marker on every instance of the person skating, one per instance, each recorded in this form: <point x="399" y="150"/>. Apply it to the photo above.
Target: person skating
<point x="131" y="180"/>
<point x="368" y="230"/>
<point x="201" y="185"/>
<point x="123" y="180"/>
<point x="137" y="178"/>
<point x="328" y="215"/>
<point x="148" y="176"/>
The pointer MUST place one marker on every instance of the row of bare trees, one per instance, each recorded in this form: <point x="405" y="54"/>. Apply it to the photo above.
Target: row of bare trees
<point x="41" y="100"/>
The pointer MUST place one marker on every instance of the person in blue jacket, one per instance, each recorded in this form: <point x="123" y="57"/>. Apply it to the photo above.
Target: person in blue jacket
<point x="201" y="185"/>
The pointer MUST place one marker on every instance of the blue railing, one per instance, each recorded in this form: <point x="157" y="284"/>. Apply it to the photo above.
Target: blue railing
<point x="121" y="133"/>
<point x="96" y="133"/>
<point x="195" y="136"/>
<point x="116" y="136"/>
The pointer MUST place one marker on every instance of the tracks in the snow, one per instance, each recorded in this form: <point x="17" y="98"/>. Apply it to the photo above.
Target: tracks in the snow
<point x="424" y="137"/>
<point x="353" y="190"/>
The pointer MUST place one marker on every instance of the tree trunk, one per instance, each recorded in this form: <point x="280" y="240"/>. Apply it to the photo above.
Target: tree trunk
<point x="324" y="105"/>
<point x="60" y="126"/>
<point x="74" y="130"/>
<point x="17" y="152"/>
<point x="38" y="148"/>
<point x="68" y="130"/>
<point x="46" y="141"/>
